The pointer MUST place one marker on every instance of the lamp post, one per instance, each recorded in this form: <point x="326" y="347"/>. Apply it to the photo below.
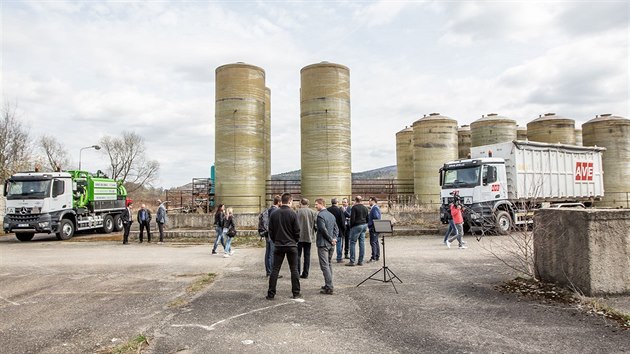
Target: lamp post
<point x="95" y="147"/>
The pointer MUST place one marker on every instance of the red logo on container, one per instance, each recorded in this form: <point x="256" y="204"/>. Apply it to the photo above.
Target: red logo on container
<point x="495" y="187"/>
<point x="583" y="171"/>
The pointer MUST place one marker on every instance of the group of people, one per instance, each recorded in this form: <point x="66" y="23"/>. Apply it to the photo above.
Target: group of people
<point x="335" y="229"/>
<point x="225" y="227"/>
<point x="144" y="220"/>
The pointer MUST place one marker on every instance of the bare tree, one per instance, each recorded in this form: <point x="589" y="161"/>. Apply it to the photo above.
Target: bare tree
<point x="15" y="150"/>
<point x="55" y="153"/>
<point x="128" y="160"/>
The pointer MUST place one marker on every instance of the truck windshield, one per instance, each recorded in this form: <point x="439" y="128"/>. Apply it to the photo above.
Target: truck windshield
<point x="461" y="178"/>
<point x="28" y="189"/>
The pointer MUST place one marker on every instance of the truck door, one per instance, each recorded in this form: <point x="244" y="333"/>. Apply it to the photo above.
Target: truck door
<point x="61" y="194"/>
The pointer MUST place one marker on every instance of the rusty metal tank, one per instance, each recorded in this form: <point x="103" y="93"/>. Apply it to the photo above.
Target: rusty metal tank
<point x="578" y="137"/>
<point x="521" y="133"/>
<point x="492" y="129"/>
<point x="325" y="131"/>
<point x="613" y="133"/>
<point x="404" y="155"/>
<point x="435" y="142"/>
<point x="239" y="137"/>
<point x="463" y="142"/>
<point x="267" y="135"/>
<point x="551" y="128"/>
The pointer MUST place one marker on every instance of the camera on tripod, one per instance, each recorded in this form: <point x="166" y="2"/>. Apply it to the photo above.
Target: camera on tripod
<point x="457" y="200"/>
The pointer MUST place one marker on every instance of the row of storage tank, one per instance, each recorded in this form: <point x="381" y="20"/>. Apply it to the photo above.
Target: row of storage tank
<point x="434" y="139"/>
<point x="243" y="134"/>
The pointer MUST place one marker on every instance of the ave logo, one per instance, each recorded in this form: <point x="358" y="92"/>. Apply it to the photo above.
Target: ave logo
<point x="583" y="171"/>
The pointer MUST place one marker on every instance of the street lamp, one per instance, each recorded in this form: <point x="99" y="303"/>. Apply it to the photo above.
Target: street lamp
<point x="95" y="147"/>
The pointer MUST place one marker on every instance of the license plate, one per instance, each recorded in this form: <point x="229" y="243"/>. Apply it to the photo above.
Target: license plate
<point x="23" y="225"/>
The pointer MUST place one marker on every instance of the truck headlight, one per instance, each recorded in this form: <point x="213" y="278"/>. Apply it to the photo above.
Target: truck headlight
<point x="10" y="210"/>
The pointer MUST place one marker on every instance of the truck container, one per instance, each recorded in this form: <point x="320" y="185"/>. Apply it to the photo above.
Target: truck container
<point x="501" y="184"/>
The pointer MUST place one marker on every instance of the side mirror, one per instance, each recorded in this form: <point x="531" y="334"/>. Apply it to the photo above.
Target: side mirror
<point x="58" y="188"/>
<point x="5" y="191"/>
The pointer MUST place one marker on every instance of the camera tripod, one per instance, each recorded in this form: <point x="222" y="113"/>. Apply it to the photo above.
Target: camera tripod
<point x="388" y="275"/>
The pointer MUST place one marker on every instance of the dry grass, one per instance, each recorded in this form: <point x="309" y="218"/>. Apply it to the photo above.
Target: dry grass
<point x="134" y="345"/>
<point x="202" y="282"/>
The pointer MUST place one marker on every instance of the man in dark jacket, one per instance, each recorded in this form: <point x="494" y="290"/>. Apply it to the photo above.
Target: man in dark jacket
<point x="327" y="235"/>
<point x="340" y="219"/>
<point x="284" y="230"/>
<point x="375" y="214"/>
<point x="358" y="227"/>
<point x="144" y="218"/>
<point x="126" y="218"/>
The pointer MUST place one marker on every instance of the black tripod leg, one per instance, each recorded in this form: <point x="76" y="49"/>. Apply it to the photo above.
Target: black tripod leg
<point x="370" y="277"/>
<point x="394" y="275"/>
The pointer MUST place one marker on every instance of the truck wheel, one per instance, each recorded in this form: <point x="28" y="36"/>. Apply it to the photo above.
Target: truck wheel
<point x="503" y="222"/>
<point x="24" y="236"/>
<point x="108" y="224"/>
<point x="66" y="230"/>
<point x="118" y="224"/>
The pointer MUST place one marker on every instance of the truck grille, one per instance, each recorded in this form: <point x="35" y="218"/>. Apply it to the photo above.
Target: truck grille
<point x="23" y="219"/>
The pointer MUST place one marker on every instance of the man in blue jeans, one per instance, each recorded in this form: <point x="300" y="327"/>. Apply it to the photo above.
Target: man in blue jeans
<point x="358" y="227"/>
<point x="269" y="246"/>
<point x="451" y="225"/>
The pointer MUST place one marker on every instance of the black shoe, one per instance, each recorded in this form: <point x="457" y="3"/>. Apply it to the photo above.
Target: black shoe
<point x="370" y="260"/>
<point x="269" y="297"/>
<point x="350" y="264"/>
<point x="304" y="276"/>
<point x="360" y="263"/>
<point x="324" y="287"/>
<point x="326" y="291"/>
<point x="340" y="261"/>
<point x="125" y="243"/>
<point x="140" y="242"/>
<point x="296" y="296"/>
<point x="346" y="257"/>
<point x="214" y="252"/>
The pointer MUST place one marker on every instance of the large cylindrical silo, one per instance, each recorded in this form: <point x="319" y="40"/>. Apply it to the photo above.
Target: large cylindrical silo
<point x="267" y="133"/>
<point x="492" y="129"/>
<point x="552" y="129"/>
<point x="613" y="133"/>
<point x="463" y="142"/>
<point x="435" y="142"/>
<point x="404" y="155"/>
<point x="239" y="137"/>
<point x="325" y="131"/>
<point x="521" y="133"/>
<point x="578" y="137"/>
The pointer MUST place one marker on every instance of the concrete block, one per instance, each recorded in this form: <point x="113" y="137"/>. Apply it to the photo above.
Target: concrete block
<point x="588" y="250"/>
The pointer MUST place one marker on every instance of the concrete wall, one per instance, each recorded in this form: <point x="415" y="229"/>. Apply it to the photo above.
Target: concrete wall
<point x="206" y="221"/>
<point x="585" y="249"/>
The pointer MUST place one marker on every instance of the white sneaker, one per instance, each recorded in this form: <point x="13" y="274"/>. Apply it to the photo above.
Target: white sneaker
<point x="462" y="247"/>
<point x="231" y="253"/>
<point x="226" y="256"/>
<point x="448" y="243"/>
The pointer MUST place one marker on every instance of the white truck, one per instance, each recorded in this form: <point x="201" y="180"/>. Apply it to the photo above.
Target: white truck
<point x="502" y="184"/>
<point x="62" y="203"/>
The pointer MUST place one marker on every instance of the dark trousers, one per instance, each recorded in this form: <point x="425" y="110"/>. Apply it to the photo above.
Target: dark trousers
<point x="278" y="257"/>
<point x="376" y="249"/>
<point x="269" y="248"/>
<point x="161" y="229"/>
<point x="142" y="226"/>
<point x="306" y="248"/>
<point x="126" y="228"/>
<point x="346" y="241"/>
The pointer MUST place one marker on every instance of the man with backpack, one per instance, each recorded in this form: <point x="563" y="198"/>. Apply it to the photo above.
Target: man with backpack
<point x="263" y="231"/>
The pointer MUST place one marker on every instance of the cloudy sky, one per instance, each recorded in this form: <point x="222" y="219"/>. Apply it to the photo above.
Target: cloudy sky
<point x="82" y="70"/>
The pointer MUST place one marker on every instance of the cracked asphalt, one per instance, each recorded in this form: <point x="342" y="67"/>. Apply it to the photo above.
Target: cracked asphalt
<point x="81" y="297"/>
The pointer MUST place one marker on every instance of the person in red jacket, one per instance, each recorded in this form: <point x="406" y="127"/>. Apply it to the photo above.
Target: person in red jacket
<point x="458" y="219"/>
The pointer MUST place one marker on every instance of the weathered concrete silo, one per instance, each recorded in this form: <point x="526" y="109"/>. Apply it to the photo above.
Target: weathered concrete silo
<point x="239" y="137"/>
<point x="551" y="128"/>
<point x="435" y="142"/>
<point x="492" y="129"/>
<point x="578" y="137"/>
<point x="613" y="133"/>
<point x="325" y="131"/>
<point x="463" y="142"/>
<point x="267" y="134"/>
<point x="521" y="133"/>
<point x="404" y="155"/>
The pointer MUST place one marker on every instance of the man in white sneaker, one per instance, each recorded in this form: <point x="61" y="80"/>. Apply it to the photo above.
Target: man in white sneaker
<point x="458" y="219"/>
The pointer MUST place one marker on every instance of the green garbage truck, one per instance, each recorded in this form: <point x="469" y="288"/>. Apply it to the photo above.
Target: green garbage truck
<point x="62" y="203"/>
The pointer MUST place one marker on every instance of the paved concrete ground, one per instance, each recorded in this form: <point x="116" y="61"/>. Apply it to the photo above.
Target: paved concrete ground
<point x="75" y="297"/>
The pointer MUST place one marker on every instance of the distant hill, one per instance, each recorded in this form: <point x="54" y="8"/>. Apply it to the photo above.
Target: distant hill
<point x="388" y="172"/>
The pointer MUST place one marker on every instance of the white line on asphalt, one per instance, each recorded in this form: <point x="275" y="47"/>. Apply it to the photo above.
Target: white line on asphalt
<point x="9" y="301"/>
<point x="211" y="327"/>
